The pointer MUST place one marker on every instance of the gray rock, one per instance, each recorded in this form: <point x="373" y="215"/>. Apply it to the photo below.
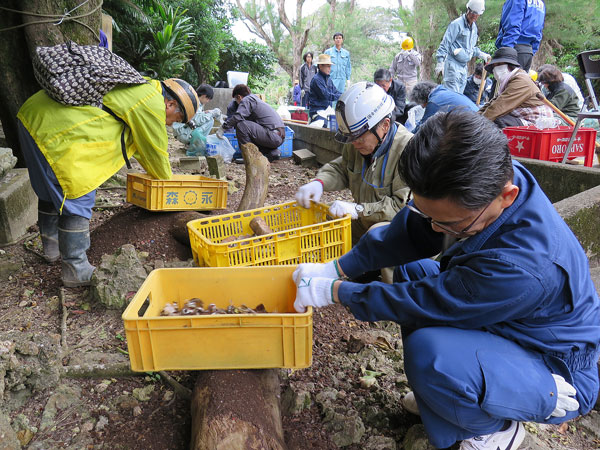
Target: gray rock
<point x="117" y="277"/>
<point x="9" y="265"/>
<point x="216" y="166"/>
<point x="8" y="437"/>
<point x="345" y="429"/>
<point x="591" y="423"/>
<point x="416" y="439"/>
<point x="294" y="400"/>
<point x="380" y="443"/>
<point x="7" y="161"/>
<point x="64" y="397"/>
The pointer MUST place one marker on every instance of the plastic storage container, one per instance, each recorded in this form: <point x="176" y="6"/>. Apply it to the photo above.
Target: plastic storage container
<point x="550" y="144"/>
<point x="234" y="78"/>
<point x="281" y="338"/>
<point x="181" y="193"/>
<point x="300" y="235"/>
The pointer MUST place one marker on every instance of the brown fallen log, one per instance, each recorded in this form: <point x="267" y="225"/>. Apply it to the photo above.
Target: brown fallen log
<point x="234" y="409"/>
<point x="257" y="178"/>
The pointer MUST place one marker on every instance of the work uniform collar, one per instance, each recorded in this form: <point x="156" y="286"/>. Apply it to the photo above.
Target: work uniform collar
<point x="384" y="146"/>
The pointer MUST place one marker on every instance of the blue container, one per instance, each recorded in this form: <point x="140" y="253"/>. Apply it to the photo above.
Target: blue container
<point x="287" y="147"/>
<point x="332" y="122"/>
<point x="232" y="140"/>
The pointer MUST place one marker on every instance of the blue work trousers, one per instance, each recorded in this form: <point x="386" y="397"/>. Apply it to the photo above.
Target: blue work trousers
<point x="468" y="382"/>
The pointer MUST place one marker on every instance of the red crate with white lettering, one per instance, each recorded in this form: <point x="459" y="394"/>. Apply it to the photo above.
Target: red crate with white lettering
<point x="550" y="144"/>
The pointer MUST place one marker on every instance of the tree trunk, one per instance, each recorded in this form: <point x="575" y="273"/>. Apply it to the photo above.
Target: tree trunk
<point x="237" y="409"/>
<point x="257" y="178"/>
<point x="17" y="46"/>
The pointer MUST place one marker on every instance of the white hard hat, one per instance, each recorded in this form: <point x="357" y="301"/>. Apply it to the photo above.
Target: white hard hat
<point x="477" y="6"/>
<point x="359" y="109"/>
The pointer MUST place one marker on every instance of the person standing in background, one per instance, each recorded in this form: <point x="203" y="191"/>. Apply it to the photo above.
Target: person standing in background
<point x="341" y="67"/>
<point x="307" y="71"/>
<point x="474" y="82"/>
<point x="405" y="64"/>
<point x="458" y="47"/>
<point x="521" y="25"/>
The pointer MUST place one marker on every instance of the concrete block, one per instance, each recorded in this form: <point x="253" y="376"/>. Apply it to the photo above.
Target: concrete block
<point x="195" y="164"/>
<point x="18" y="206"/>
<point x="216" y="166"/>
<point x="221" y="99"/>
<point x="304" y="157"/>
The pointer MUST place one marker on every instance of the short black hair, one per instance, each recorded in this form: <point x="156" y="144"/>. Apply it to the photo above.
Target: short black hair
<point x="459" y="155"/>
<point x="306" y="54"/>
<point x="420" y="92"/>
<point x="478" y="69"/>
<point x="338" y="34"/>
<point x="205" y="89"/>
<point x="240" y="89"/>
<point x="382" y="75"/>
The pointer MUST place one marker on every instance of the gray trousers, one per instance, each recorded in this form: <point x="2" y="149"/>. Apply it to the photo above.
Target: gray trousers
<point x="266" y="140"/>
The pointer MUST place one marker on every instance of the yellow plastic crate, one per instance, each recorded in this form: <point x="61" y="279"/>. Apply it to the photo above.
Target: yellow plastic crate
<point x="300" y="235"/>
<point x="181" y="193"/>
<point x="281" y="338"/>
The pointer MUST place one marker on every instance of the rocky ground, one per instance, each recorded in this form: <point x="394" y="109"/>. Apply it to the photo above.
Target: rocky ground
<point x="64" y="377"/>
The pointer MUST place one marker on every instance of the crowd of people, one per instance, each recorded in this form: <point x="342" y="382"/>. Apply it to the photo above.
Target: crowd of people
<point x="452" y="239"/>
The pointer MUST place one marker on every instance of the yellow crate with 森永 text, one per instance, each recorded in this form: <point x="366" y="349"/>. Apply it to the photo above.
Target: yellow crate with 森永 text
<point x="300" y="235"/>
<point x="280" y="338"/>
<point x="180" y="193"/>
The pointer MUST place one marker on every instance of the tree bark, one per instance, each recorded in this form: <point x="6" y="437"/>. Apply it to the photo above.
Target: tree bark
<point x="237" y="409"/>
<point x="257" y="178"/>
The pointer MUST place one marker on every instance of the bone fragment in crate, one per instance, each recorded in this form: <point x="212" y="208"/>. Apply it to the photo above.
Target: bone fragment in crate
<point x="235" y="238"/>
<point x="260" y="227"/>
<point x="195" y="306"/>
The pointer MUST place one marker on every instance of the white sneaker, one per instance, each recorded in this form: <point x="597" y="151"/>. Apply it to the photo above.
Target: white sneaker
<point x="501" y="440"/>
<point x="409" y="402"/>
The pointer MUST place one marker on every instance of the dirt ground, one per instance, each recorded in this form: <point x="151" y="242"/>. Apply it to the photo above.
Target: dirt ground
<point x="162" y="420"/>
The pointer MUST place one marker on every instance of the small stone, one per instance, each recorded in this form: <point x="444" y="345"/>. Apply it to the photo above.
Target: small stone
<point x="143" y="394"/>
<point x="167" y="396"/>
<point x="102" y="422"/>
<point x="87" y="427"/>
<point x="137" y="411"/>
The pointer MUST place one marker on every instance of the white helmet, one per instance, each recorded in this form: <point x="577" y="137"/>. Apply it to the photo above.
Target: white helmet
<point x="361" y="108"/>
<point x="477" y="6"/>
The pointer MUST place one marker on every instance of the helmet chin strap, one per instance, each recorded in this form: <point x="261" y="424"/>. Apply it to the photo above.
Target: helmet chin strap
<point x="379" y="142"/>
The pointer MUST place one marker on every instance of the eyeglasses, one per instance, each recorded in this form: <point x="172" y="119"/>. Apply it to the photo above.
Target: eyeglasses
<point x="442" y="226"/>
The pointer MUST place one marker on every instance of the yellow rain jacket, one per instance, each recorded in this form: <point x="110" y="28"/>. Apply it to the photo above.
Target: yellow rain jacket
<point x="82" y="144"/>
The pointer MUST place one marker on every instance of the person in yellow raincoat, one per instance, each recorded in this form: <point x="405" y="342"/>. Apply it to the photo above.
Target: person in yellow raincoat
<point x="71" y="150"/>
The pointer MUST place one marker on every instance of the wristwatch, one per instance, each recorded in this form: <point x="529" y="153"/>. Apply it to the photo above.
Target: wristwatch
<point x="359" y="208"/>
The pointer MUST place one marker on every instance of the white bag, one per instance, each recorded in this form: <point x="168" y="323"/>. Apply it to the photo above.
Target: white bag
<point x="216" y="146"/>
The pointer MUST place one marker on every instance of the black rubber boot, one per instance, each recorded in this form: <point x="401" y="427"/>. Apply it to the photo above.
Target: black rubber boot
<point x="48" y="223"/>
<point x="74" y="241"/>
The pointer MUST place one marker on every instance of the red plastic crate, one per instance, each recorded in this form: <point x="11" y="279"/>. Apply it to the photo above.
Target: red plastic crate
<point x="550" y="144"/>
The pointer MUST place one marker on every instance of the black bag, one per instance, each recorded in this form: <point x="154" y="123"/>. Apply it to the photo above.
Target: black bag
<point x="79" y="75"/>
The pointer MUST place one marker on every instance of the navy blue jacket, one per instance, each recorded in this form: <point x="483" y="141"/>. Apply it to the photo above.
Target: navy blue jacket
<point x="472" y="90"/>
<point x="397" y="91"/>
<point x="444" y="99"/>
<point x="521" y="22"/>
<point x="524" y="277"/>
<point x="322" y="93"/>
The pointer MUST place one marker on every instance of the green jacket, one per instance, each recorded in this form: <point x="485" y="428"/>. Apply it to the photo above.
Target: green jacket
<point x="82" y="144"/>
<point x="377" y="187"/>
<point x="564" y="98"/>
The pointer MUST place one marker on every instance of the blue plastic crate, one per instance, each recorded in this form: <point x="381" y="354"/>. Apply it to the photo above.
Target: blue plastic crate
<point x="288" y="144"/>
<point x="233" y="140"/>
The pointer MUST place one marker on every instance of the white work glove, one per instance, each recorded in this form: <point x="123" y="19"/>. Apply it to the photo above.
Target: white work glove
<point x="439" y="69"/>
<point x="565" y="400"/>
<point x="340" y="209"/>
<point x="485" y="56"/>
<point x="347" y="84"/>
<point x="319" y="270"/>
<point x="310" y="191"/>
<point x="223" y="118"/>
<point x="220" y="133"/>
<point x="215" y="113"/>
<point x="313" y="291"/>
<point x="457" y="51"/>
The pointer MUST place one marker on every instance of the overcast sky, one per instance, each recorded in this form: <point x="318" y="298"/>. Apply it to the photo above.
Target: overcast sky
<point x="240" y="31"/>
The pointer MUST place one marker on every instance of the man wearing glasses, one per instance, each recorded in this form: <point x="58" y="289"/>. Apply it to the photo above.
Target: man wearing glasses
<point x="505" y="328"/>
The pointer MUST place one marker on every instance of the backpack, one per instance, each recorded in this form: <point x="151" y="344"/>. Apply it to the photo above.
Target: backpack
<point x="80" y="75"/>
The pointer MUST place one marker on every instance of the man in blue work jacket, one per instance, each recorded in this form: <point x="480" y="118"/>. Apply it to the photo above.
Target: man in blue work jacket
<point x="505" y="328"/>
<point x="341" y="66"/>
<point x="322" y="90"/>
<point x="458" y="46"/>
<point x="521" y="26"/>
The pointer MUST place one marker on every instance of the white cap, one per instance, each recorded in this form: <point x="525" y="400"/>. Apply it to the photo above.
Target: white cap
<point x="477" y="6"/>
<point x="360" y="108"/>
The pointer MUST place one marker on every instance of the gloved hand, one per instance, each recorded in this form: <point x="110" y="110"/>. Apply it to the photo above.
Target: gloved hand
<point x="439" y="69"/>
<point x="302" y="92"/>
<point x="223" y="118"/>
<point x="216" y="113"/>
<point x="310" y="191"/>
<point x="220" y="133"/>
<point x="485" y="56"/>
<point x="319" y="270"/>
<point x="457" y="51"/>
<point x="315" y="292"/>
<point x="340" y="209"/>
<point x="347" y="84"/>
<point x="565" y="400"/>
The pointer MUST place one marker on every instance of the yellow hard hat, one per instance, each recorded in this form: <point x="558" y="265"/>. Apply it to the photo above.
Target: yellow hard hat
<point x="408" y="44"/>
<point x="185" y="94"/>
<point x="533" y="74"/>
